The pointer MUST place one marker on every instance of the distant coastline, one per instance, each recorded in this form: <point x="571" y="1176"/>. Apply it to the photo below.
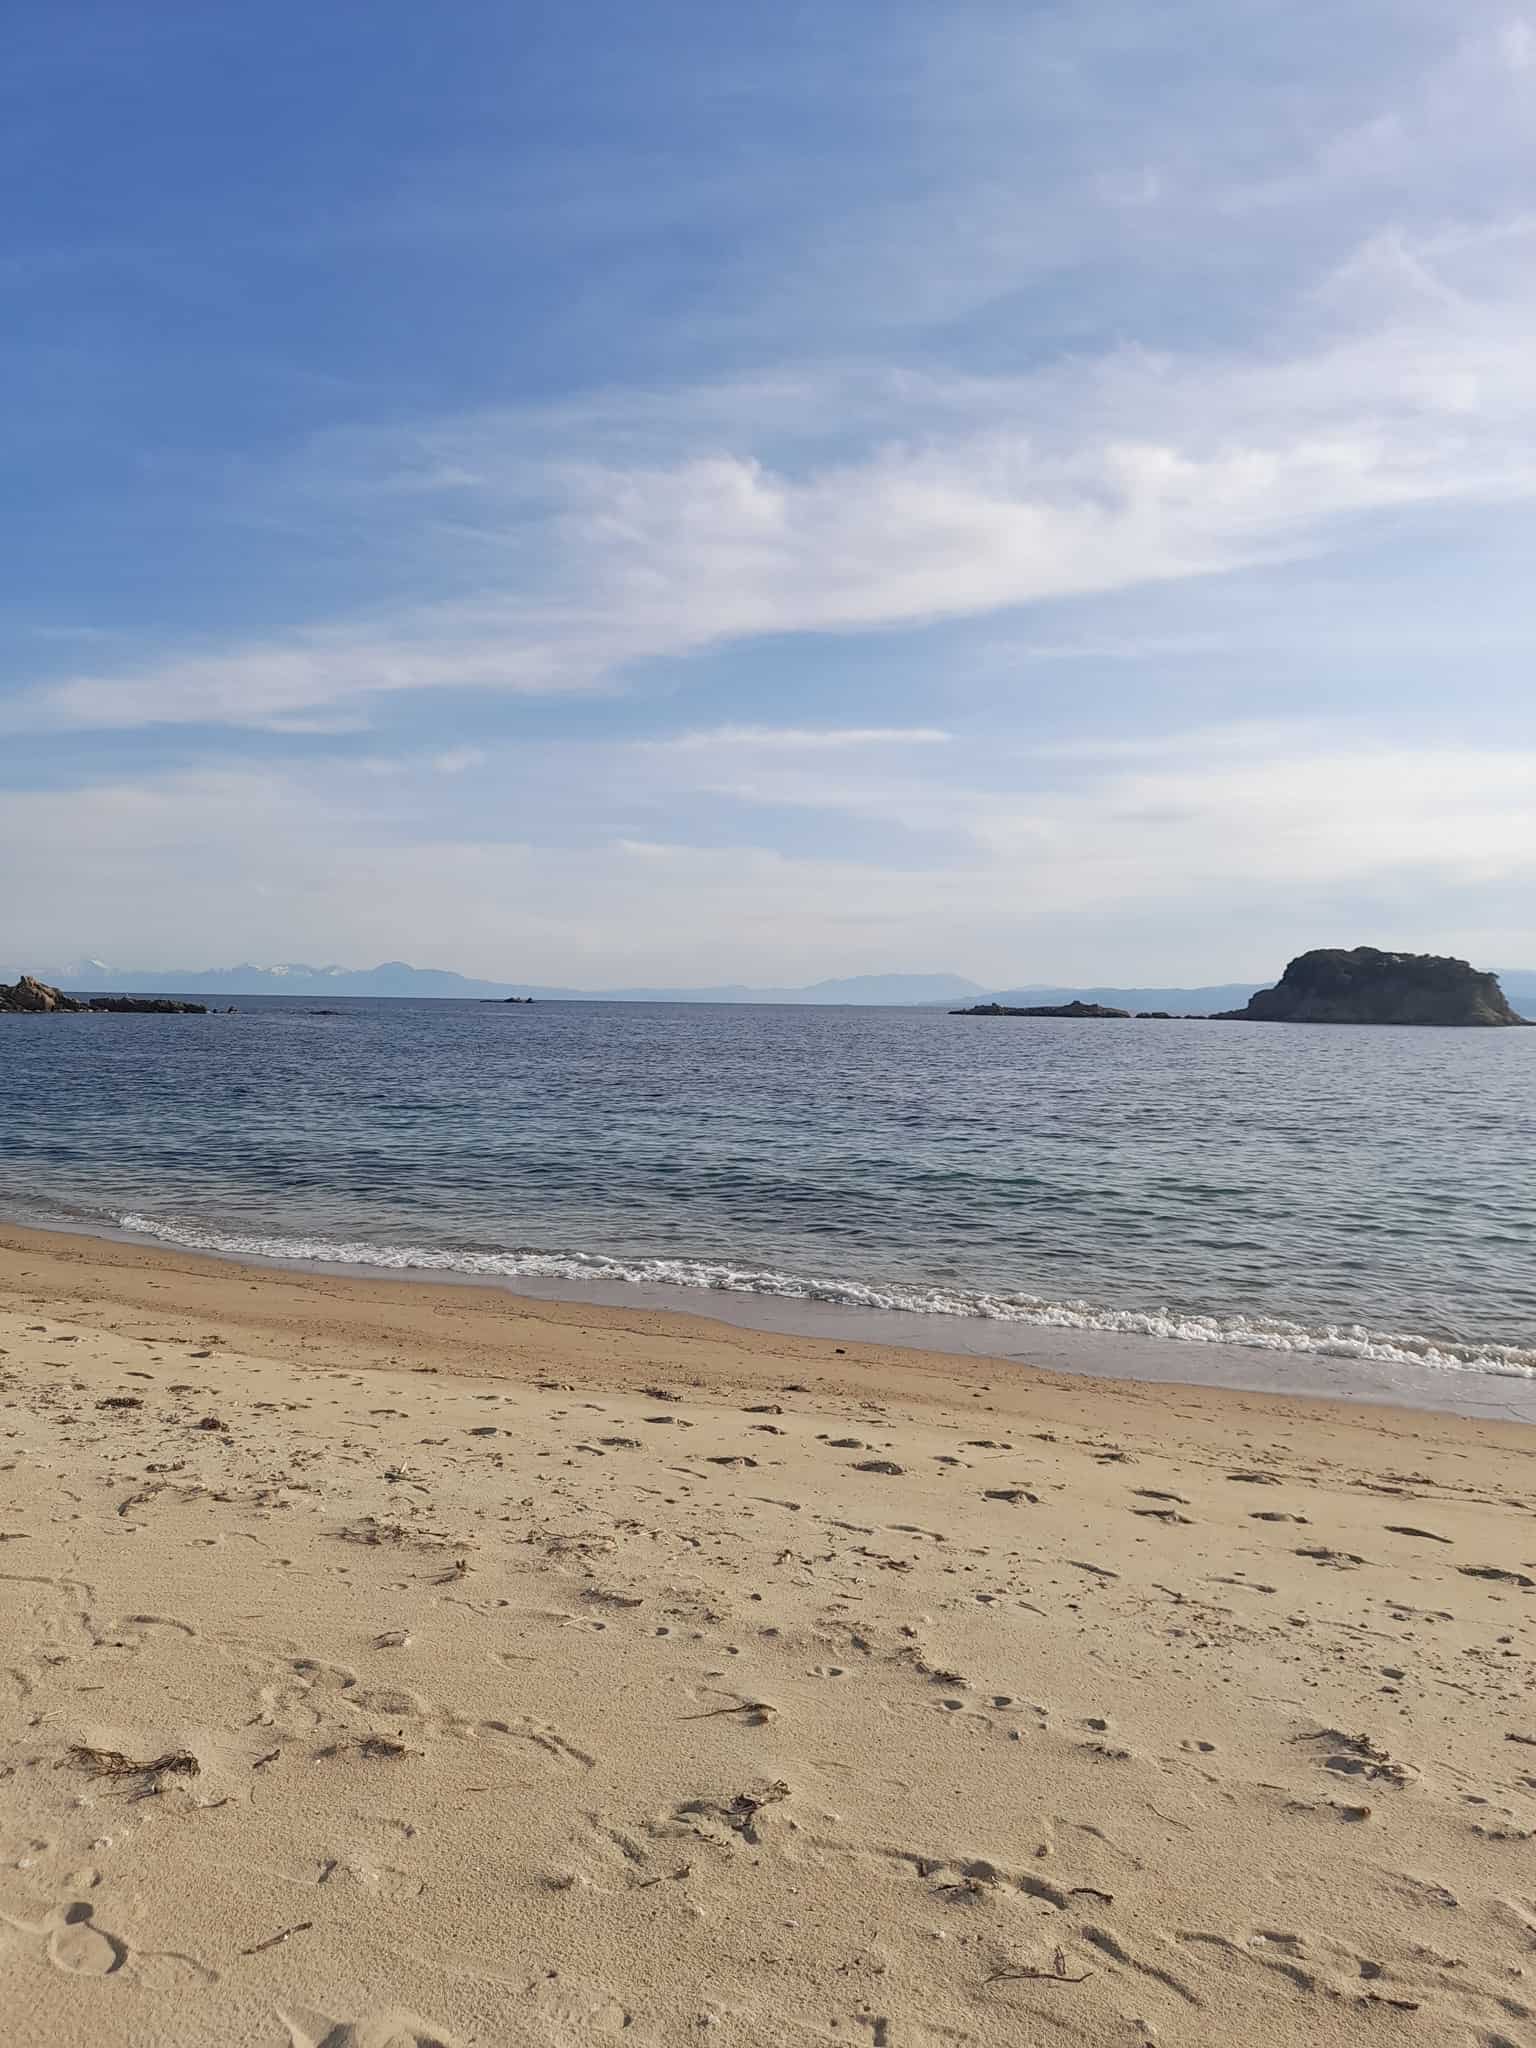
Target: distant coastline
<point x="1332" y="985"/>
<point x="882" y="991"/>
<point x="1072" y="1010"/>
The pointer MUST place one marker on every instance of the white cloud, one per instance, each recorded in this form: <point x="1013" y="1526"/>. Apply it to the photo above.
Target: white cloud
<point x="965" y="496"/>
<point x="278" y="685"/>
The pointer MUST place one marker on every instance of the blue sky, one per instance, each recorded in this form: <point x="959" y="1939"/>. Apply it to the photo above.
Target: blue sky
<point x="597" y="493"/>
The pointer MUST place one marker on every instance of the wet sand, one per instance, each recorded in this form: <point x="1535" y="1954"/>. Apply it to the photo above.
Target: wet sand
<point x="390" y="1663"/>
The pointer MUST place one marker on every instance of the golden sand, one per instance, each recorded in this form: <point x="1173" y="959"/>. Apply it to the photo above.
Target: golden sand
<point x="388" y="1664"/>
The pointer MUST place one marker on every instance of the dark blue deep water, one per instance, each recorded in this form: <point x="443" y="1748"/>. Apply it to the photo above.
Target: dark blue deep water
<point x="1355" y="1192"/>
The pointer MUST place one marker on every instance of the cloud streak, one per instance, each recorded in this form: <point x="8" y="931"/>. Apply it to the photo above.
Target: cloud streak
<point x="774" y="739"/>
<point x="1090" y="479"/>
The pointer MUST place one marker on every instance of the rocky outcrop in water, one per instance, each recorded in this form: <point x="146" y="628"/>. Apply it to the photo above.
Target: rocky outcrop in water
<point x="146" y="1006"/>
<point x="29" y="996"/>
<point x="1041" y="1010"/>
<point x="1365" y="986"/>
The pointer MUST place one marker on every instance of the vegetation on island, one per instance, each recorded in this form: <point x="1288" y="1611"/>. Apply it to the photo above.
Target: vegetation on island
<point x="1363" y="985"/>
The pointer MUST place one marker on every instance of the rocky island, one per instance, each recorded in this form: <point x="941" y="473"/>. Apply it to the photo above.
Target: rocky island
<point x="1334" y="985"/>
<point x="28" y="997"/>
<point x="1074" y="1009"/>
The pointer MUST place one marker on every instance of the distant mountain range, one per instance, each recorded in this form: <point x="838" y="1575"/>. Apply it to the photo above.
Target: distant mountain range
<point x="396" y="978"/>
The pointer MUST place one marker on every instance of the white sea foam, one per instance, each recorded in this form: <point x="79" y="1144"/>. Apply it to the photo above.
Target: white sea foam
<point x="1263" y="1333"/>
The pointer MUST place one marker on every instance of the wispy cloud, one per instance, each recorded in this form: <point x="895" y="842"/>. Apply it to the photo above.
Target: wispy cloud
<point x="1211" y="863"/>
<point x="794" y="739"/>
<point x="459" y="760"/>
<point x="836" y="513"/>
<point x="1089" y="478"/>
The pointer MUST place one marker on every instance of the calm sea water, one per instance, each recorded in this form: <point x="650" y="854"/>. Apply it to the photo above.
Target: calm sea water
<point x="1350" y="1193"/>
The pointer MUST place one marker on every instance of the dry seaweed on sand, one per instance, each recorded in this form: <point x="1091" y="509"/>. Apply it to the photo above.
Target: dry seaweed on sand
<point x="378" y="1748"/>
<point x="1358" y="1756"/>
<point x="746" y="1806"/>
<point x="739" y="1814"/>
<point x="1032" y="1973"/>
<point x="372" y="1531"/>
<point x="111" y="1763"/>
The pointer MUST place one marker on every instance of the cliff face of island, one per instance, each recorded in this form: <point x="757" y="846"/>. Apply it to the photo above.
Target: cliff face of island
<point x="28" y="997"/>
<point x="1365" y="986"/>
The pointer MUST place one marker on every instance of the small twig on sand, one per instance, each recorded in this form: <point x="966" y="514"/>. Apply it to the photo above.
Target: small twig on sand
<point x="758" y="1710"/>
<point x="272" y="1940"/>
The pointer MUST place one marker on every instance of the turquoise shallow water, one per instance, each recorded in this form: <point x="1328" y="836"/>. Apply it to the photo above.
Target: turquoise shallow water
<point x="1300" y="1191"/>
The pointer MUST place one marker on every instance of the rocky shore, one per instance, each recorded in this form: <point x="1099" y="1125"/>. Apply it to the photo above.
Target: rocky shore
<point x="29" y="997"/>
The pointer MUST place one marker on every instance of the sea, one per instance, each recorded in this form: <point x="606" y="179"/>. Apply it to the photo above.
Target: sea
<point x="1346" y="1211"/>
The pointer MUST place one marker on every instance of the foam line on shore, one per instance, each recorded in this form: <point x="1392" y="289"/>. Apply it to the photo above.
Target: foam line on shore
<point x="720" y="1277"/>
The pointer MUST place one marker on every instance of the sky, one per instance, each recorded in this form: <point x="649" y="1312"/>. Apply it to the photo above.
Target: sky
<point x="591" y="493"/>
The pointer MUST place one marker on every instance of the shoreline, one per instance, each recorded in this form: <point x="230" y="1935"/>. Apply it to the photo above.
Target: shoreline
<point x="1114" y="1357"/>
<point x="498" y="1325"/>
<point x="421" y="1665"/>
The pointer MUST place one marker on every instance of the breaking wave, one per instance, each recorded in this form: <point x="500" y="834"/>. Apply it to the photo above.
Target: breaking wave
<point x="1261" y="1333"/>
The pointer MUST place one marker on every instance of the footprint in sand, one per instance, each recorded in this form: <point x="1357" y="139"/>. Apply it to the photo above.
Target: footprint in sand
<point x="80" y="1948"/>
<point x="573" y="2011"/>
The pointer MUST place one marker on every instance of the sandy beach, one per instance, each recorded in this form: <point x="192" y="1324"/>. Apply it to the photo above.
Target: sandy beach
<point x="391" y="1664"/>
